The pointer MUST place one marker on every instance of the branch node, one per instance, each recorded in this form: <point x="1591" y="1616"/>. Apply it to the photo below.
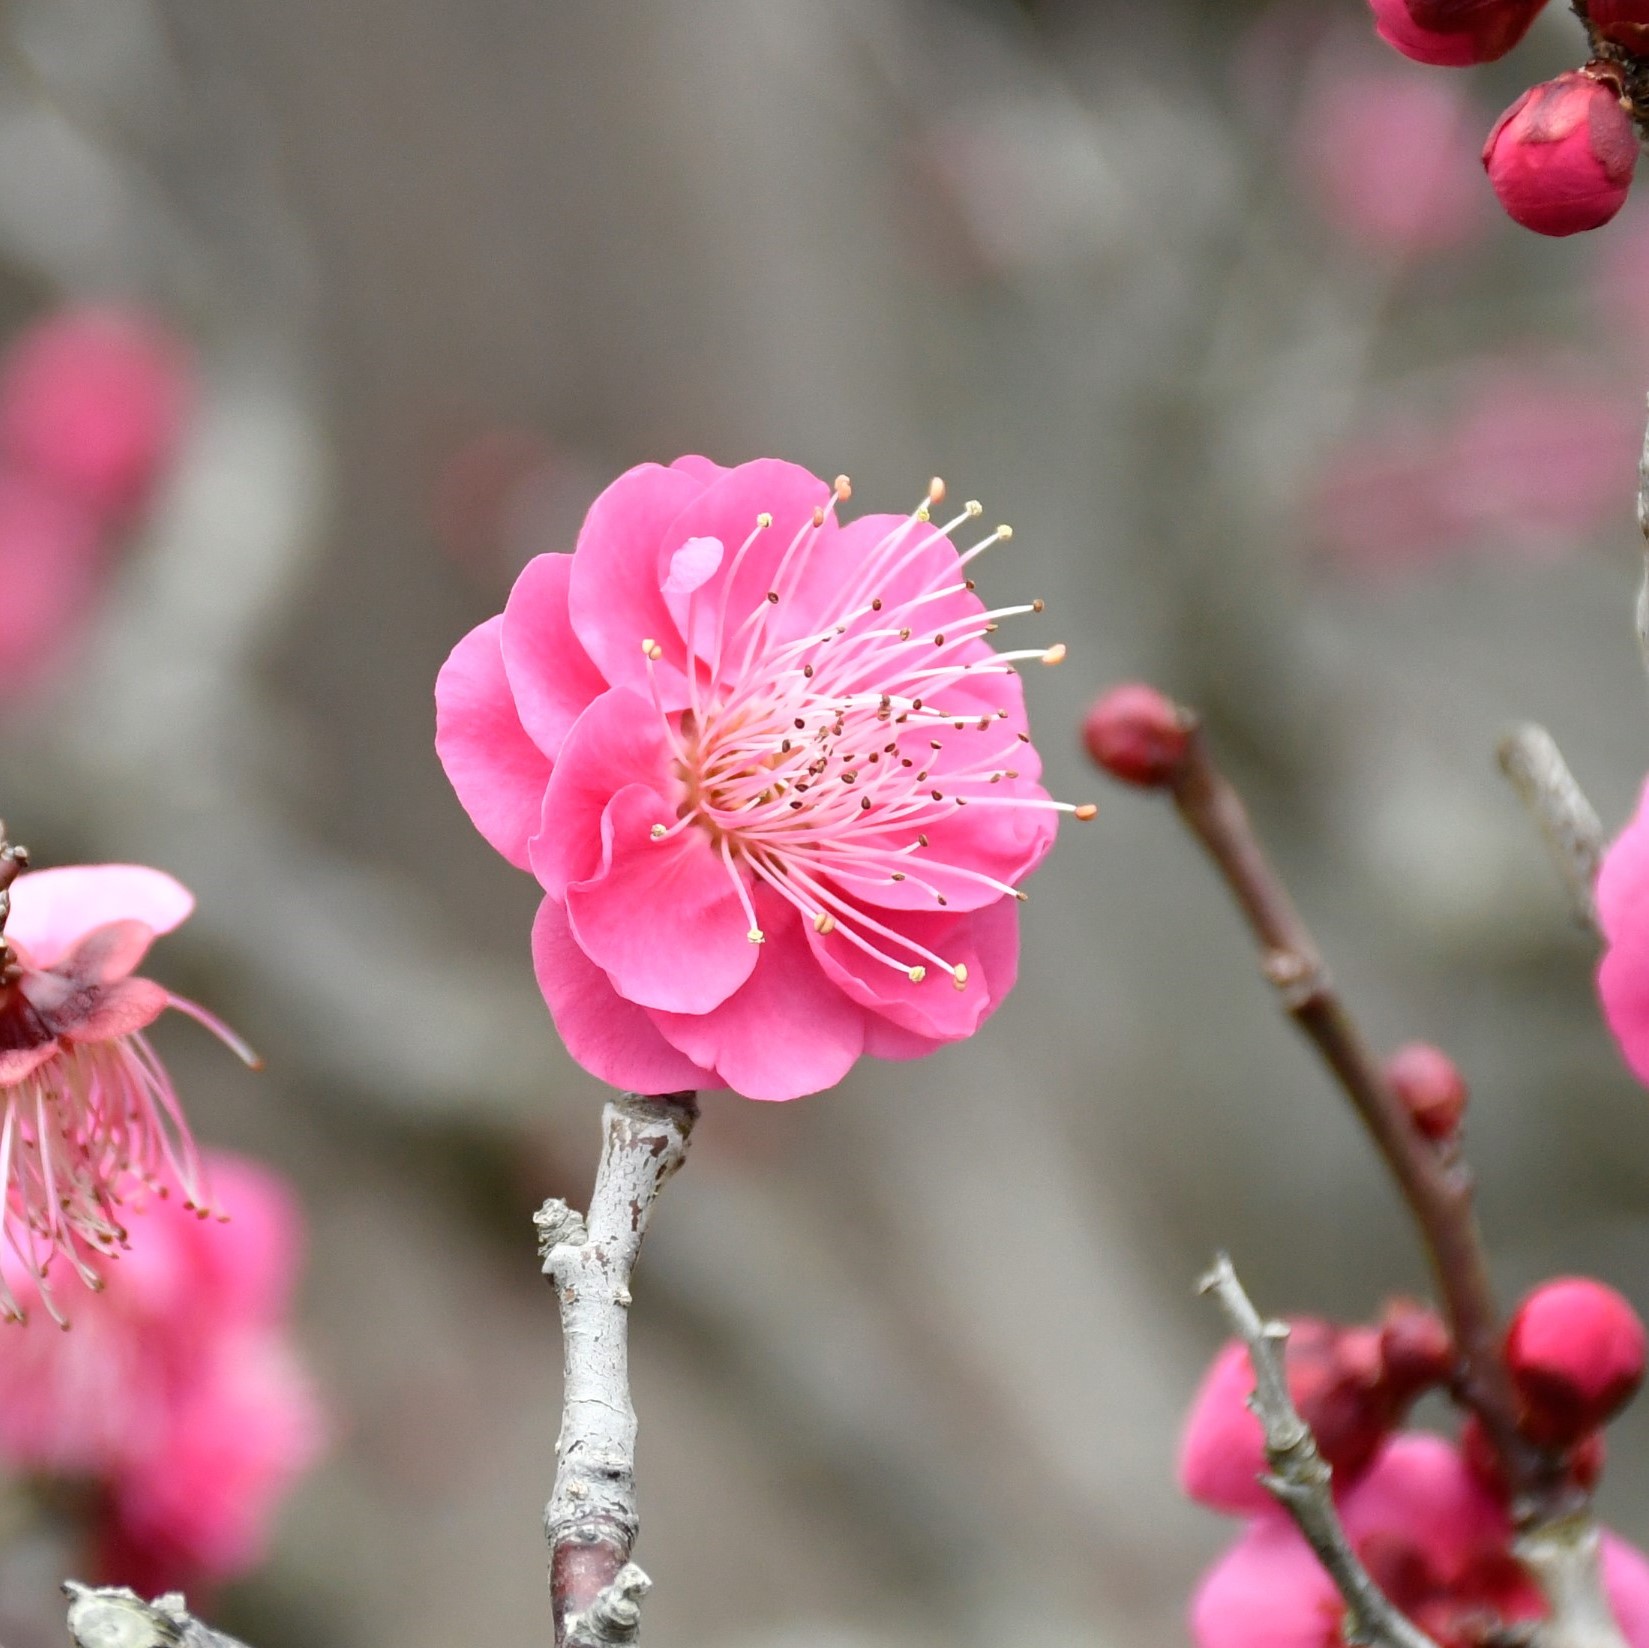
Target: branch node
<point x="614" y="1618"/>
<point x="558" y="1226"/>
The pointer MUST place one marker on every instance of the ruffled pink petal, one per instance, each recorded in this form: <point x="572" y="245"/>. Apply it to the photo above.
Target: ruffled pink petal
<point x="787" y="1032"/>
<point x="615" y="598"/>
<point x="551" y="677"/>
<point x="1267" y="1591"/>
<point x="613" y="1039"/>
<point x="1222" y="1449"/>
<point x="987" y="944"/>
<point x="52" y="910"/>
<point x="661" y="918"/>
<point x="1623" y="912"/>
<point x="701" y="469"/>
<point x="728" y="511"/>
<point x="497" y="770"/>
<point x="1420" y="1486"/>
<point x="618" y="740"/>
<point x="1626" y="1579"/>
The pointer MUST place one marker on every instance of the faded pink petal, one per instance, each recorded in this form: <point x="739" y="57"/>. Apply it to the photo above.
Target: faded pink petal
<point x="1626" y="1579"/>
<point x="497" y="770"/>
<point x="613" y="1039"/>
<point x="1267" y="1591"/>
<point x="824" y="1035"/>
<point x="1623" y="913"/>
<point x="692" y="950"/>
<point x="550" y="675"/>
<point x="52" y="910"/>
<point x="1222" y="1449"/>
<point x="1421" y="1486"/>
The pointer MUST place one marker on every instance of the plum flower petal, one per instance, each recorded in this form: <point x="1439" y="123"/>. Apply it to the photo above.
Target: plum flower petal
<point x="179" y="1394"/>
<point x="89" y="1119"/>
<point x="1623" y="913"/>
<point x="791" y="796"/>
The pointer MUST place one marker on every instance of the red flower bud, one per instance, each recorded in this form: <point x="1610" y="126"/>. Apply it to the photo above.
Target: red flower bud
<point x="1583" y="1464"/>
<point x="1561" y="157"/>
<point x="1415" y="1350"/>
<point x="1575" y="1351"/>
<point x="1454" y="32"/>
<point x="1625" y="22"/>
<point x="1429" y="1087"/>
<point x="1135" y="733"/>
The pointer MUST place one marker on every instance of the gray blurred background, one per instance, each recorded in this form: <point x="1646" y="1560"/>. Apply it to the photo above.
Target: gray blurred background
<point x="911" y="1356"/>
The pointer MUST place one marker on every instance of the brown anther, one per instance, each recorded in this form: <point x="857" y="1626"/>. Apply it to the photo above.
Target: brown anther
<point x="897" y="875"/>
<point x="864" y="803"/>
<point x="938" y="640"/>
<point x="807" y="670"/>
<point x="942" y="899"/>
<point x="773" y="596"/>
<point x="844" y="488"/>
<point x="1039" y="605"/>
<point x="904" y="635"/>
<point x="876" y="604"/>
<point x="818" y="517"/>
<point x="921" y="841"/>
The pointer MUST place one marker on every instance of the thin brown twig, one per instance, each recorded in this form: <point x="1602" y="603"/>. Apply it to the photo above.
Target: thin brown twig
<point x="1434" y="1183"/>
<point x="1300" y="1479"/>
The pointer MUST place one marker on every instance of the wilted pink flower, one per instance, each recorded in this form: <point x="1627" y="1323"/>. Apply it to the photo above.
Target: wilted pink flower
<point x="178" y="1395"/>
<point x="774" y="780"/>
<point x="1454" y="33"/>
<point x="1561" y="158"/>
<point x="92" y="402"/>
<point x="90" y="1117"/>
<point x="1623" y="913"/>
<point x="1386" y="154"/>
<point x="1435" y="1540"/>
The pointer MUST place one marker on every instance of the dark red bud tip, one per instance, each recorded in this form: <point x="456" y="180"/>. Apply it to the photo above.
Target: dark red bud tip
<point x="1137" y="734"/>
<point x="1415" y="1349"/>
<point x="1429" y="1087"/>
<point x="1454" y="33"/>
<point x="1585" y="1462"/>
<point x="1624" y="22"/>
<point x="1561" y="157"/>
<point x="1575" y="1351"/>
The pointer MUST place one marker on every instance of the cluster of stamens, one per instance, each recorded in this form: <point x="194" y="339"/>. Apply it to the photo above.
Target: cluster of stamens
<point x="814" y="762"/>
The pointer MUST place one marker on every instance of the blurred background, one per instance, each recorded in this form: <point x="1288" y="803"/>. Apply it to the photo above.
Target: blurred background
<point x="1210" y="301"/>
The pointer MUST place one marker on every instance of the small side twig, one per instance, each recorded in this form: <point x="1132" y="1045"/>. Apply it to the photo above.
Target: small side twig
<point x="1434" y="1183"/>
<point x="1300" y="1476"/>
<point x="1567" y="821"/>
<point x="591" y="1520"/>
<point x="13" y="861"/>
<point x="118" y="1618"/>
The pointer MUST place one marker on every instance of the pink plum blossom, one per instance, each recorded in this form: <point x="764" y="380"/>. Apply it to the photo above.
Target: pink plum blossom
<point x="178" y="1397"/>
<point x="93" y="402"/>
<point x="769" y="771"/>
<point x="1385" y="153"/>
<point x="1433" y="1537"/>
<point x="1623" y="913"/>
<point x="90" y="1118"/>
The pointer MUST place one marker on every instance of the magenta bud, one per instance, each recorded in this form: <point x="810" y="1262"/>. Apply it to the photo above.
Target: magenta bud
<point x="1454" y="33"/>
<point x="1137" y="734"/>
<point x="1561" y="157"/>
<point x="1416" y="1351"/>
<point x="1575" y="1351"/>
<point x="1624" y="22"/>
<point x="1429" y="1087"/>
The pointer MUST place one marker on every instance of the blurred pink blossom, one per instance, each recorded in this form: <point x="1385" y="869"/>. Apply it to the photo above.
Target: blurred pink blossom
<point x="93" y="401"/>
<point x="1389" y="155"/>
<point x="88" y="1116"/>
<point x="769" y="770"/>
<point x="1433" y="1537"/>
<point x="1524" y="458"/>
<point x="51" y="565"/>
<point x="1623" y="913"/>
<point x="178" y="1397"/>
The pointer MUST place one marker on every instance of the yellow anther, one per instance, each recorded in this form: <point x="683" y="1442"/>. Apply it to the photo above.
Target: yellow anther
<point x="974" y="508"/>
<point x="917" y="974"/>
<point x="824" y="922"/>
<point x="1055" y="654"/>
<point x="959" y="976"/>
<point x="764" y="520"/>
<point x="756" y="936"/>
<point x="1004" y="532"/>
<point x="844" y="488"/>
<point x="924" y="514"/>
<point x="658" y="832"/>
<point x="1086" y="811"/>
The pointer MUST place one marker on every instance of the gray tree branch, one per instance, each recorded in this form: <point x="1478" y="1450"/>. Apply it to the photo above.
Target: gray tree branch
<point x="111" y="1618"/>
<point x="591" y="1520"/>
<point x="1567" y="821"/>
<point x="1300" y="1477"/>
